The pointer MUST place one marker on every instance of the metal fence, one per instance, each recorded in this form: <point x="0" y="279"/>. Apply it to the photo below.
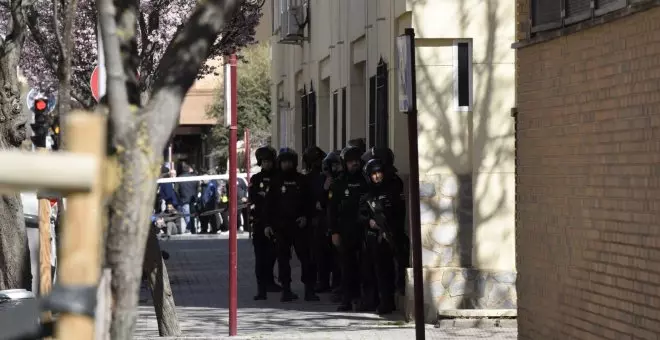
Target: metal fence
<point x="552" y="14"/>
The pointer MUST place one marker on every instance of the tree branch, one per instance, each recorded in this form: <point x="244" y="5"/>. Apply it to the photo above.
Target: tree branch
<point x="122" y="122"/>
<point x="14" y="40"/>
<point x="180" y="65"/>
<point x="82" y="95"/>
<point x="56" y="29"/>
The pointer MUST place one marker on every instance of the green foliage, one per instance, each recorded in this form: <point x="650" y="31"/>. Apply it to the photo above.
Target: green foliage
<point x="253" y="92"/>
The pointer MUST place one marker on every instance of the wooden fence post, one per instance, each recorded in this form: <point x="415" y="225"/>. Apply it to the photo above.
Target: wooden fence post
<point x="80" y="260"/>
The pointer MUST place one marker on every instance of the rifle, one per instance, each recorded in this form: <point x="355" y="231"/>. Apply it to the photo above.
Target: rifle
<point x="384" y="232"/>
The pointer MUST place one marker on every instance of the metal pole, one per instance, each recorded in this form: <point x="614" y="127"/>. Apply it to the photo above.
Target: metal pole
<point x="248" y="159"/>
<point x="414" y="219"/>
<point x="233" y="203"/>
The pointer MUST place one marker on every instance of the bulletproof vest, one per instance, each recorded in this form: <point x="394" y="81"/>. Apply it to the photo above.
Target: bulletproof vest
<point x="291" y="196"/>
<point x="350" y="192"/>
<point x="261" y="187"/>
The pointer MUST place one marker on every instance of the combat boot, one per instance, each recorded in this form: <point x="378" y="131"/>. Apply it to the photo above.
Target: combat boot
<point x="274" y="288"/>
<point x="345" y="306"/>
<point x="386" y="306"/>
<point x="261" y="294"/>
<point x="288" y="295"/>
<point x="322" y="287"/>
<point x="310" y="295"/>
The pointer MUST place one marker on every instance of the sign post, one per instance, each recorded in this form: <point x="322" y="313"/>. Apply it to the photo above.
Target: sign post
<point x="408" y="104"/>
<point x="232" y="115"/>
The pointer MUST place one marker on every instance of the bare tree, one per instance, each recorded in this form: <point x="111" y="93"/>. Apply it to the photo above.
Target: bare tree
<point x="14" y="253"/>
<point x="139" y="134"/>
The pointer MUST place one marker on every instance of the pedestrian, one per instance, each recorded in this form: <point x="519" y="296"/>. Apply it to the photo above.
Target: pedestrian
<point x="384" y="209"/>
<point x="188" y="191"/>
<point x="209" y="220"/>
<point x="322" y="250"/>
<point x="223" y="204"/>
<point x="166" y="191"/>
<point x="346" y="228"/>
<point x="290" y="205"/>
<point x="264" y="248"/>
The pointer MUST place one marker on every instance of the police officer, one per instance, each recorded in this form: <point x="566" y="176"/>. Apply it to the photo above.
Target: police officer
<point x="346" y="228"/>
<point x="264" y="248"/>
<point x="322" y="249"/>
<point x="290" y="206"/>
<point x="385" y="210"/>
<point x="402" y="241"/>
<point x="333" y="168"/>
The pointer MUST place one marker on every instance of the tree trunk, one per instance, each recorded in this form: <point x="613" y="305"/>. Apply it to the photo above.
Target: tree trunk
<point x="14" y="250"/>
<point x="130" y="207"/>
<point x="161" y="292"/>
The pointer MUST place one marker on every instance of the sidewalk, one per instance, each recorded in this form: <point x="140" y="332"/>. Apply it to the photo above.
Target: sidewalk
<point x="199" y="276"/>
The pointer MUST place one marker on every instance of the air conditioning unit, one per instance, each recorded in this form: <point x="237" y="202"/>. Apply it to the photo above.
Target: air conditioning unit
<point x="292" y="29"/>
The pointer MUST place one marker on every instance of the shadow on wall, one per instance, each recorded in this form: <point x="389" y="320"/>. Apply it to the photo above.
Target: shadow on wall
<point x="465" y="137"/>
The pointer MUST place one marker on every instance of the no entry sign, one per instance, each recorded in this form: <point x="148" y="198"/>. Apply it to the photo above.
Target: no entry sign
<point x="94" y="83"/>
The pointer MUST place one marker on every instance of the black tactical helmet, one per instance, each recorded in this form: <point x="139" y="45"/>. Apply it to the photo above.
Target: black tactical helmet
<point x="287" y="154"/>
<point x="350" y="153"/>
<point x="313" y="157"/>
<point x="265" y="153"/>
<point x="386" y="156"/>
<point x="374" y="165"/>
<point x="333" y="158"/>
<point x="358" y="143"/>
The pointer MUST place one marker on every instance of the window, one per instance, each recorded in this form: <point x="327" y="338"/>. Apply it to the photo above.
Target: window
<point x="463" y="75"/>
<point x="304" y="116"/>
<point x="343" y="117"/>
<point x="379" y="107"/>
<point x="382" y="105"/>
<point x="547" y="15"/>
<point x="283" y="126"/>
<point x="372" y="111"/>
<point x="311" y="117"/>
<point x="335" y="119"/>
<point x="276" y="12"/>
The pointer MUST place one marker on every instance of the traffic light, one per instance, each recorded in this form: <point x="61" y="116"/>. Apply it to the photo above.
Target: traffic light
<point x="40" y="126"/>
<point x="56" y="133"/>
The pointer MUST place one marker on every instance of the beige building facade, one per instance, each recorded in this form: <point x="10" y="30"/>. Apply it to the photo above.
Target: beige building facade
<point x="335" y="79"/>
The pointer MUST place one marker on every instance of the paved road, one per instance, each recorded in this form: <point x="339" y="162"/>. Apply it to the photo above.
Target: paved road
<point x="199" y="276"/>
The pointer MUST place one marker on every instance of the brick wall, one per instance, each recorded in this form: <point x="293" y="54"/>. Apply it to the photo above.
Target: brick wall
<point x="588" y="183"/>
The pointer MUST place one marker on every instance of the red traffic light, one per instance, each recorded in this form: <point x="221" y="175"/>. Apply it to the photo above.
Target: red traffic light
<point x="40" y="104"/>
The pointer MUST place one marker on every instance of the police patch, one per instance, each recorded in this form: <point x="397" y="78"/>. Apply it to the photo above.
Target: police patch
<point x="346" y="192"/>
<point x="329" y="195"/>
<point x="261" y="185"/>
<point x="283" y="189"/>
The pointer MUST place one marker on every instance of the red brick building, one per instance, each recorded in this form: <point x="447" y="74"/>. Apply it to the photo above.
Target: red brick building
<point x="588" y="169"/>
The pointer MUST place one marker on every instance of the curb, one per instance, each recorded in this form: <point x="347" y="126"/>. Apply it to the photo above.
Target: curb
<point x="477" y="323"/>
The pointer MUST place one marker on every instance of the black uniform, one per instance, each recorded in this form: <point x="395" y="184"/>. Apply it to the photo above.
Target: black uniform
<point x="385" y="206"/>
<point x="321" y="244"/>
<point x="332" y="167"/>
<point x="344" y="219"/>
<point x="402" y="242"/>
<point x="264" y="249"/>
<point x="290" y="206"/>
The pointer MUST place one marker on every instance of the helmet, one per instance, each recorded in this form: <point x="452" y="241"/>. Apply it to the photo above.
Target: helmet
<point x="350" y="153"/>
<point x="313" y="157"/>
<point x="374" y="165"/>
<point x="287" y="154"/>
<point x="386" y="155"/>
<point x="333" y="158"/>
<point x="265" y="153"/>
<point x="358" y="143"/>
